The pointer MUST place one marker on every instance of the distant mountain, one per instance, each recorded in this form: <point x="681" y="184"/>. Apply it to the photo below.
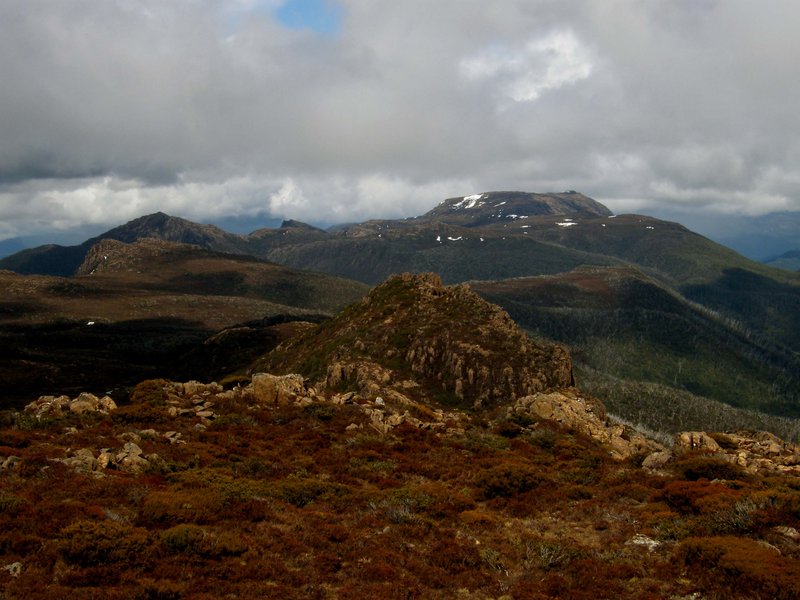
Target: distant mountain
<point x="493" y="207"/>
<point x="760" y="237"/>
<point x="788" y="260"/>
<point x="706" y="295"/>
<point x="64" y="260"/>
<point x="152" y="308"/>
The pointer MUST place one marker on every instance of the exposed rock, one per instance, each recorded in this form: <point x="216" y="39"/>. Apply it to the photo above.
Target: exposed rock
<point x="48" y="406"/>
<point x="696" y="440"/>
<point x="404" y="330"/>
<point x="658" y="460"/>
<point x="787" y="532"/>
<point x="587" y="415"/>
<point x="755" y="451"/>
<point x="83" y="404"/>
<point x="9" y="464"/>
<point x="278" y="389"/>
<point x="105" y="459"/>
<point x="14" y="569"/>
<point x="642" y="540"/>
<point x="82" y="460"/>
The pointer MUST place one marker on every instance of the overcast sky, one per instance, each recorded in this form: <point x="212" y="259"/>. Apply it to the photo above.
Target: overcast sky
<point x="351" y="109"/>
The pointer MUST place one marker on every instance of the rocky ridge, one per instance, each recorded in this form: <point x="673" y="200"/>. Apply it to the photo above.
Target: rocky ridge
<point x="414" y="328"/>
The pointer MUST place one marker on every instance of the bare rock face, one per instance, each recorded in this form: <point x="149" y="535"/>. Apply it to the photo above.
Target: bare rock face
<point x="278" y="390"/>
<point x="585" y="414"/>
<point x="448" y="338"/>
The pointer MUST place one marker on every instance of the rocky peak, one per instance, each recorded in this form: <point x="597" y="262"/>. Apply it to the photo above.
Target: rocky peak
<point x="489" y="207"/>
<point x="453" y="343"/>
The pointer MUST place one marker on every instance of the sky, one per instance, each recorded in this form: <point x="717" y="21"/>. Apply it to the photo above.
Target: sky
<point x="333" y="111"/>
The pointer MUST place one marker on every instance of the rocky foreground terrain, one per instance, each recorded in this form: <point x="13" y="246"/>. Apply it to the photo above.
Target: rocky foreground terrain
<point x="418" y="445"/>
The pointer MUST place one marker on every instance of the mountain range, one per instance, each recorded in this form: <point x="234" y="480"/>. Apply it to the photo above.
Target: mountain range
<point x="648" y="308"/>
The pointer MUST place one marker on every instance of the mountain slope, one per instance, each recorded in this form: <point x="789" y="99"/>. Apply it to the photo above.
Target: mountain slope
<point x="626" y="325"/>
<point x="148" y="309"/>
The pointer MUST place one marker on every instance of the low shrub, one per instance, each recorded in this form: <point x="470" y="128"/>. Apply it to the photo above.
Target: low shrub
<point x="200" y="541"/>
<point x="508" y="480"/>
<point x="182" y="506"/>
<point x="700" y="467"/>
<point x="742" y="566"/>
<point x="150" y="391"/>
<point x="91" y="543"/>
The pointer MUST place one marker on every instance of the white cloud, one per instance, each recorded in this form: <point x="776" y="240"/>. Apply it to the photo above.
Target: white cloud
<point x="541" y="65"/>
<point x="204" y="109"/>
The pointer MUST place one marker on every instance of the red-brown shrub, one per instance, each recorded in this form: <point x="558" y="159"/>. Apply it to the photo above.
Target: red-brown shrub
<point x="741" y="566"/>
<point x="89" y="543"/>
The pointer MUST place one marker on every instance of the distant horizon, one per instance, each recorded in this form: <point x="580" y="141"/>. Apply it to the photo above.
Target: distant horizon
<point x="758" y="244"/>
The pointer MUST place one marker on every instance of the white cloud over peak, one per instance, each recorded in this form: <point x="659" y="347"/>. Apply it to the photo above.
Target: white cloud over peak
<point x="207" y="109"/>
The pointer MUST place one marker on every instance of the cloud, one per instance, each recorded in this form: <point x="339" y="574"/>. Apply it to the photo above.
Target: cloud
<point x="205" y="109"/>
<point x="524" y="75"/>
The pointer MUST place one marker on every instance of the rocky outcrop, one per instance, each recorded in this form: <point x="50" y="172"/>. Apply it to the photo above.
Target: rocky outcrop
<point x="414" y="327"/>
<point x="754" y="451"/>
<point x="279" y="390"/>
<point x="586" y="415"/>
<point x="696" y="440"/>
<point x="129" y="458"/>
<point x="58" y="406"/>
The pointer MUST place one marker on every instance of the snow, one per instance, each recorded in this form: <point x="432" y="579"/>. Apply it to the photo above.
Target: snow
<point x="439" y="239"/>
<point x="90" y="322"/>
<point x="500" y="204"/>
<point x="453" y="239"/>
<point x="602" y="224"/>
<point x="566" y="224"/>
<point x="469" y="202"/>
<point x="525" y="226"/>
<point x="481" y="239"/>
<point x="649" y="227"/>
<point x="512" y="216"/>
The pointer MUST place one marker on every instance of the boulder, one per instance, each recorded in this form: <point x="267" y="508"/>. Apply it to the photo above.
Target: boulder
<point x="82" y="460"/>
<point x="696" y="440"/>
<point x="278" y="390"/>
<point x="587" y="415"/>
